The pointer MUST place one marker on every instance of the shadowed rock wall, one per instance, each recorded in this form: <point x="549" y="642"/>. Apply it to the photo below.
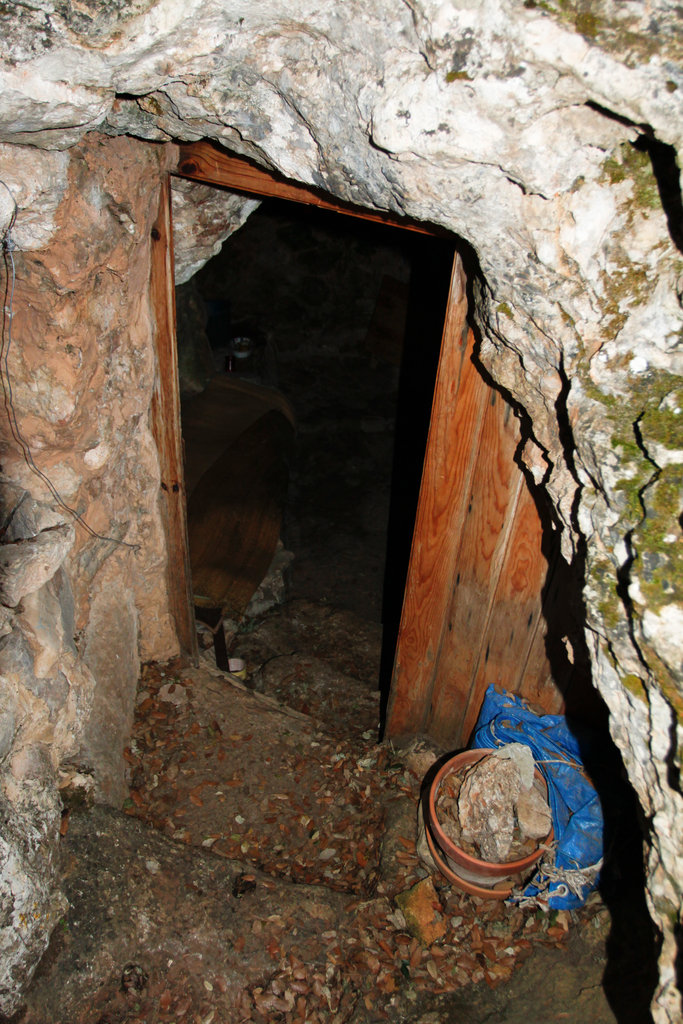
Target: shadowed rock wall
<point x="544" y="135"/>
<point x="78" y="610"/>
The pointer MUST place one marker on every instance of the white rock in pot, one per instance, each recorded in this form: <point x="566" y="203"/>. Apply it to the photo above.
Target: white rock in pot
<point x="486" y="806"/>
<point x="533" y="814"/>
<point x="523" y="758"/>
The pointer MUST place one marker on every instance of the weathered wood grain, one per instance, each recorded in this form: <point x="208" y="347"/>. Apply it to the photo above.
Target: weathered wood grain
<point x="473" y="606"/>
<point x="203" y="161"/>
<point x="457" y="412"/>
<point x="482" y="554"/>
<point x="514" y="621"/>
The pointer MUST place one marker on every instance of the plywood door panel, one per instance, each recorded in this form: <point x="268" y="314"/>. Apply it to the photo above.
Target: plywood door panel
<point x="511" y="627"/>
<point x="458" y="408"/>
<point x="473" y="605"/>
<point x="483" y="553"/>
<point x="515" y="623"/>
<point x="165" y="424"/>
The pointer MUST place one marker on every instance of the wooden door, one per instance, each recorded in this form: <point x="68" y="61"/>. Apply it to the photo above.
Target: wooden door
<point x="472" y="612"/>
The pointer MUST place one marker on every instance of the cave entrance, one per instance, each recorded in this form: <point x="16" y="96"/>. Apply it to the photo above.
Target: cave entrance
<point x="472" y="608"/>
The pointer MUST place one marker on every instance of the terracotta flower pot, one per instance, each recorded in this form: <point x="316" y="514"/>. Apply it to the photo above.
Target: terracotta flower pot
<point x="477" y="877"/>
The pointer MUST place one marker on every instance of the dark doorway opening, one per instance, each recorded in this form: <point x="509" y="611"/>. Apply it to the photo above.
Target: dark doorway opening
<point x="344" y="318"/>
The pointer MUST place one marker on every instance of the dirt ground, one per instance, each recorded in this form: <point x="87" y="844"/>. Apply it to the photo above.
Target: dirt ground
<point x="257" y="875"/>
<point x="264" y="868"/>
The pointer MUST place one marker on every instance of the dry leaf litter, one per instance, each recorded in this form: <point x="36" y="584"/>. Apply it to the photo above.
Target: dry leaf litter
<point x="238" y="779"/>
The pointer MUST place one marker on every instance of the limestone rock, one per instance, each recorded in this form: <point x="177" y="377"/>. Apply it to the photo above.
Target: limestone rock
<point x="422" y="844"/>
<point x="112" y="657"/>
<point x="19" y="669"/>
<point x="195" y="358"/>
<point x="518" y="127"/>
<point x="272" y="590"/>
<point x="26" y="565"/>
<point x="533" y="814"/>
<point x="486" y="806"/>
<point x="203" y="217"/>
<point x="48" y="618"/>
<point x="521" y="754"/>
<point x="34" y="185"/>
<point x="419" y="757"/>
<point x="30" y="903"/>
<point x="8" y="724"/>
<point x="173" y="693"/>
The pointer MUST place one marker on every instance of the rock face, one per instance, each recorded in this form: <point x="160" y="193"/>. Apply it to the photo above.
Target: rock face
<point x="544" y="135"/>
<point x="74" y="597"/>
<point x="203" y="217"/>
<point x="30" y="903"/>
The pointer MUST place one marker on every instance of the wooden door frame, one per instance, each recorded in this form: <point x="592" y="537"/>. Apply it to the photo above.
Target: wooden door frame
<point x="204" y="162"/>
<point x="166" y="429"/>
<point x="420" y="699"/>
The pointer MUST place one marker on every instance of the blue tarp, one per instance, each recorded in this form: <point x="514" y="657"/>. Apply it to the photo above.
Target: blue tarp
<point x="574" y="803"/>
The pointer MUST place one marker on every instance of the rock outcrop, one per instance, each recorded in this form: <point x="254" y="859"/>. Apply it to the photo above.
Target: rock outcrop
<point x="544" y="135"/>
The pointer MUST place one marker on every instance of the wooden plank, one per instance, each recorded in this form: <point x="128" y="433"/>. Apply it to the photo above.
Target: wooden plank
<point x="205" y="161"/>
<point x="165" y="424"/>
<point x="457" y="412"/>
<point x="515" y="619"/>
<point x="482" y="552"/>
<point x="213" y="419"/>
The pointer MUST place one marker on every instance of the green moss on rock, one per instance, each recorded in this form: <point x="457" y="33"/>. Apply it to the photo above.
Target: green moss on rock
<point x="644" y="422"/>
<point x="610" y="603"/>
<point x="623" y="288"/>
<point x="587" y="23"/>
<point x="663" y="680"/>
<point x="651" y="496"/>
<point x="628" y="163"/>
<point x="635" y="685"/>
<point x="615" y="30"/>
<point x="663" y="423"/>
<point x="626" y="283"/>
<point x="657" y="539"/>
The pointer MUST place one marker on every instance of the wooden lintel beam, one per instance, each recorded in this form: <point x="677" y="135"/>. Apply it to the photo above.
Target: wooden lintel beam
<point x="203" y="161"/>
